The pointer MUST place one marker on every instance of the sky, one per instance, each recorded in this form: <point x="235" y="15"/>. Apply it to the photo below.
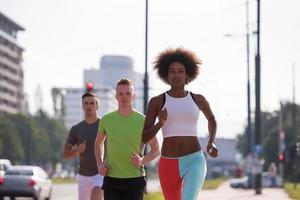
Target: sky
<point x="64" y="37"/>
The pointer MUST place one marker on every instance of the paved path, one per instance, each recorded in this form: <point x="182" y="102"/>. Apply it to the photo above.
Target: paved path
<point x="225" y="192"/>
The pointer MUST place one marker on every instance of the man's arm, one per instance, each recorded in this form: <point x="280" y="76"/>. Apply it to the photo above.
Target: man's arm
<point x="99" y="153"/>
<point x="99" y="148"/>
<point x="69" y="151"/>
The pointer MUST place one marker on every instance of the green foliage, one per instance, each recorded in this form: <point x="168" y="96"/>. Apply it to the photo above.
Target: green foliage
<point x="10" y="144"/>
<point x="31" y="140"/>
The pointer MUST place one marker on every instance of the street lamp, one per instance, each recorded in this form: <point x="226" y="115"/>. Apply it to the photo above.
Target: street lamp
<point x="247" y="35"/>
<point x="146" y="78"/>
<point x="258" y="173"/>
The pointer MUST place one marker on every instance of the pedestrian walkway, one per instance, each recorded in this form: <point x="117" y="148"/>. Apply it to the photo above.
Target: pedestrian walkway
<point x="225" y="192"/>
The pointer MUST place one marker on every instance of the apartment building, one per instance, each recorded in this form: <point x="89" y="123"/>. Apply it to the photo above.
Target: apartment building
<point x="11" y="71"/>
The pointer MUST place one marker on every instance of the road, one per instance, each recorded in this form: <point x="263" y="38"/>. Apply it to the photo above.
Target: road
<point x="64" y="192"/>
<point x="60" y="192"/>
<point x="224" y="192"/>
<point x="69" y="191"/>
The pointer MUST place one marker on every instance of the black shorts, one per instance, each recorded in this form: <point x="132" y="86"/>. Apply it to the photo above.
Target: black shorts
<point x="124" y="188"/>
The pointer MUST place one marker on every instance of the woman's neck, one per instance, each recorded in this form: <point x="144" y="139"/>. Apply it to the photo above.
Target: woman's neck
<point x="177" y="92"/>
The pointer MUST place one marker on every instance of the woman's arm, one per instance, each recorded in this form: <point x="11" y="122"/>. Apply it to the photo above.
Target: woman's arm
<point x="139" y="160"/>
<point x="153" y="153"/>
<point x="205" y="108"/>
<point x="153" y="110"/>
<point x="212" y="124"/>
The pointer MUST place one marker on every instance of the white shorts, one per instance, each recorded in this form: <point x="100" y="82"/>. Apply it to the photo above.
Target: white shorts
<point x="86" y="184"/>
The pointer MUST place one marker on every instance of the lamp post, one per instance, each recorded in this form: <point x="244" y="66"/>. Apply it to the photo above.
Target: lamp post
<point x="146" y="78"/>
<point x="248" y="129"/>
<point x="258" y="171"/>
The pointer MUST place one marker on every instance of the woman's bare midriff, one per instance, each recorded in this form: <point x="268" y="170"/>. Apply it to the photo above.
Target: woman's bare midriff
<point x="180" y="146"/>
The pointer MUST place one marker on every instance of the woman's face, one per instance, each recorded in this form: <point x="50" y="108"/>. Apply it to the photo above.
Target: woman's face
<point x="177" y="74"/>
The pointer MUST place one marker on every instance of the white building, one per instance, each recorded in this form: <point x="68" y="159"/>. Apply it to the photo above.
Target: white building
<point x="67" y="102"/>
<point x="113" y="68"/>
<point x="73" y="107"/>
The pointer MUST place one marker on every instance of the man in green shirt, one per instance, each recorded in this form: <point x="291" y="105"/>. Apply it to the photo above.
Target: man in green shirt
<point x="123" y="166"/>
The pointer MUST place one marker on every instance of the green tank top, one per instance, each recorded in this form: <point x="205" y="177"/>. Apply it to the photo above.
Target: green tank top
<point x="123" y="137"/>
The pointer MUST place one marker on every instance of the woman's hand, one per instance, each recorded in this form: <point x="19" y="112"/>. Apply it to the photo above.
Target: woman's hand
<point x="212" y="149"/>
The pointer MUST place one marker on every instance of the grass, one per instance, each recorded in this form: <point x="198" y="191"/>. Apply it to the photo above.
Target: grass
<point x="213" y="183"/>
<point x="208" y="184"/>
<point x="293" y="193"/>
<point x="154" y="196"/>
<point x="63" y="180"/>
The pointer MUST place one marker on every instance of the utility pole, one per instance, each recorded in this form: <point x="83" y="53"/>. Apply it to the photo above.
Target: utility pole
<point x="281" y="140"/>
<point x="294" y="137"/>
<point x="146" y="78"/>
<point x="258" y="148"/>
<point x="249" y="129"/>
<point x="249" y="134"/>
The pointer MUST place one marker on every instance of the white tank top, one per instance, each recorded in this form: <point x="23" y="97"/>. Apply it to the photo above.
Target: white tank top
<point x="183" y="116"/>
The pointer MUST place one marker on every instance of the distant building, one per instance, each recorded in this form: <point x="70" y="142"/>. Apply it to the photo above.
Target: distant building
<point x="73" y="108"/>
<point x="225" y="163"/>
<point x="11" y="72"/>
<point x="67" y="101"/>
<point x="112" y="68"/>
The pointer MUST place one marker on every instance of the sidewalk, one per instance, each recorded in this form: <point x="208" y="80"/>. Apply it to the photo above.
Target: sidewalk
<point x="225" y="192"/>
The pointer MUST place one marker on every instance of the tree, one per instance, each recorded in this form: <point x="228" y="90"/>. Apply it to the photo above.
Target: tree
<point x="31" y="140"/>
<point x="10" y="144"/>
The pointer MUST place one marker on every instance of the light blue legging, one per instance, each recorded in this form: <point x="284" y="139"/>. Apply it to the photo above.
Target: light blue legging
<point x="192" y="169"/>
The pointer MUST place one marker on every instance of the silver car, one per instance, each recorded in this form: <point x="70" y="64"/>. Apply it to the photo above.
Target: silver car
<point x="25" y="181"/>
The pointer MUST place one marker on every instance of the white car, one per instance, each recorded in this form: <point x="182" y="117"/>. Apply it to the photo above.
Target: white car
<point x="25" y="181"/>
<point x="246" y="182"/>
<point x="4" y="165"/>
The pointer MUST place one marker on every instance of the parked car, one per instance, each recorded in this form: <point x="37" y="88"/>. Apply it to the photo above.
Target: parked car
<point x="26" y="181"/>
<point x="246" y="181"/>
<point x="243" y="182"/>
<point x="4" y="165"/>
